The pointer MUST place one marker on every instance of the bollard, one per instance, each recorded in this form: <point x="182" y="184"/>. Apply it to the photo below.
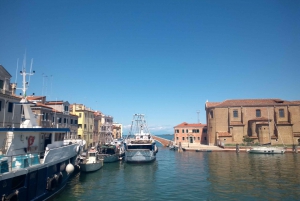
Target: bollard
<point x="237" y="148"/>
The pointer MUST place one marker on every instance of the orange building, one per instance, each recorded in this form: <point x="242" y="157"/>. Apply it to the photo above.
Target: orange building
<point x="186" y="133"/>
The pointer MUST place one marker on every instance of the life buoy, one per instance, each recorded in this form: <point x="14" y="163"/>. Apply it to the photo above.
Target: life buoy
<point x="30" y="141"/>
<point x="51" y="183"/>
<point x="12" y="197"/>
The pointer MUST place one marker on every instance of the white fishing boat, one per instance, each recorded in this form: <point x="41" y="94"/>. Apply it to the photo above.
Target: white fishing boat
<point x="91" y="162"/>
<point x="139" y="144"/>
<point x="35" y="163"/>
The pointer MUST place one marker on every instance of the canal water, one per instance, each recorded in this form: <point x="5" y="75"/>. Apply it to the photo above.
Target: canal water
<point x="191" y="176"/>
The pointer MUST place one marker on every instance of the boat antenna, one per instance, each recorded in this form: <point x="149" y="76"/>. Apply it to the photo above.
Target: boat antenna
<point x="17" y="70"/>
<point x="23" y="73"/>
<point x="30" y="70"/>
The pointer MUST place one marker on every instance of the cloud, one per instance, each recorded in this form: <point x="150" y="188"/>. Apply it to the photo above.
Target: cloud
<point x="127" y="126"/>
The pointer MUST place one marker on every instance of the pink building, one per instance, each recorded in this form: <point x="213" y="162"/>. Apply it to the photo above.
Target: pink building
<point x="190" y="133"/>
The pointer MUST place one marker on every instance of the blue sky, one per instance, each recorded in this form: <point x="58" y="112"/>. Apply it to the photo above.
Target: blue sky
<point x="161" y="58"/>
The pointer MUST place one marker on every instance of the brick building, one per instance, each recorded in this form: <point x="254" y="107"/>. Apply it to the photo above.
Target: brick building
<point x="263" y="120"/>
<point x="185" y="133"/>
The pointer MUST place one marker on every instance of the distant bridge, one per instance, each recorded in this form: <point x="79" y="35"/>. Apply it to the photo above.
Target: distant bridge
<point x="163" y="141"/>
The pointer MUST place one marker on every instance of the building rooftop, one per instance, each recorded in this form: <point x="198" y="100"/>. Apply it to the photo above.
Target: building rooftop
<point x="184" y="124"/>
<point x="251" y="102"/>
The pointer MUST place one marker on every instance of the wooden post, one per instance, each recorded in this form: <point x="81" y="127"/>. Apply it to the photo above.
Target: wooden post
<point x="295" y="148"/>
<point x="237" y="148"/>
<point x="179" y="147"/>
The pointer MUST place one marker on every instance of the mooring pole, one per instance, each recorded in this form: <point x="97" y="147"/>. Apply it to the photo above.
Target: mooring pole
<point x="237" y="148"/>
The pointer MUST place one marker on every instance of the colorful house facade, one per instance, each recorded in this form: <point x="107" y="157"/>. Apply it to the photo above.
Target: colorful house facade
<point x="188" y="134"/>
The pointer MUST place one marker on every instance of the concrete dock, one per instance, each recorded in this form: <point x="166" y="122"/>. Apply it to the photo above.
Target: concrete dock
<point x="208" y="148"/>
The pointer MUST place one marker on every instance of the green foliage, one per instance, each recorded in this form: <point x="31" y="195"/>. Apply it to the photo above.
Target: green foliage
<point x="247" y="140"/>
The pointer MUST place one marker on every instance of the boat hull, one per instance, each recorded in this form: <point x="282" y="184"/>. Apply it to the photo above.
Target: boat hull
<point x="140" y="156"/>
<point x="91" y="167"/>
<point x="110" y="158"/>
<point x="266" y="150"/>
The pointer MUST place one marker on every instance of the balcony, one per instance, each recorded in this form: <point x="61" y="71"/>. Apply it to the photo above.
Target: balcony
<point x="3" y="91"/>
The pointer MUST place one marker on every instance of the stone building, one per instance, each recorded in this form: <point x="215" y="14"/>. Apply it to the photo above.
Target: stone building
<point x="117" y="130"/>
<point x="103" y="127"/>
<point x="54" y="114"/>
<point x="189" y="134"/>
<point x="97" y="128"/>
<point x="264" y="121"/>
<point x="10" y="113"/>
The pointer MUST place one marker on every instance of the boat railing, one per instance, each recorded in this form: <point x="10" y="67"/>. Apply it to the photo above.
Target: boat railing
<point x="18" y="162"/>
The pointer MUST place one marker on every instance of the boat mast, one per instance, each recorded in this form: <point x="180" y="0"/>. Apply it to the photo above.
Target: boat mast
<point x="29" y="117"/>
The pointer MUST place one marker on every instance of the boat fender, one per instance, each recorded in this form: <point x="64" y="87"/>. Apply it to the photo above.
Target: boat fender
<point x="11" y="197"/>
<point x="70" y="168"/>
<point x="59" y="178"/>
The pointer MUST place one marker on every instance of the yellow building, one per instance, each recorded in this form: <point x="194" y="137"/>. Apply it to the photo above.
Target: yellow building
<point x="85" y="122"/>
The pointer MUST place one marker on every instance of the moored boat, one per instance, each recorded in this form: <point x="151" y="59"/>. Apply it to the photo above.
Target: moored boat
<point x="266" y="150"/>
<point x="91" y="162"/>
<point x="139" y="145"/>
<point x="108" y="152"/>
<point x="111" y="152"/>
<point x="35" y="162"/>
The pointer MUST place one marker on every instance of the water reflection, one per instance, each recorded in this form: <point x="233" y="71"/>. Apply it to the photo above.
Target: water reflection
<point x="254" y="176"/>
<point x="192" y="176"/>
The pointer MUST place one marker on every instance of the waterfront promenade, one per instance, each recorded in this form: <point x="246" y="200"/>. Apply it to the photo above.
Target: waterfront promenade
<point x="200" y="147"/>
<point x="208" y="148"/>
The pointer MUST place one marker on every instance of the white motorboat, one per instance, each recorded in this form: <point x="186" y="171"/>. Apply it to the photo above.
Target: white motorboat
<point x="266" y="150"/>
<point x="139" y="144"/>
<point x="91" y="163"/>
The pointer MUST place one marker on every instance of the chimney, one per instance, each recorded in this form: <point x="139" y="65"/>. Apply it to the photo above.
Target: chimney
<point x="13" y="87"/>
